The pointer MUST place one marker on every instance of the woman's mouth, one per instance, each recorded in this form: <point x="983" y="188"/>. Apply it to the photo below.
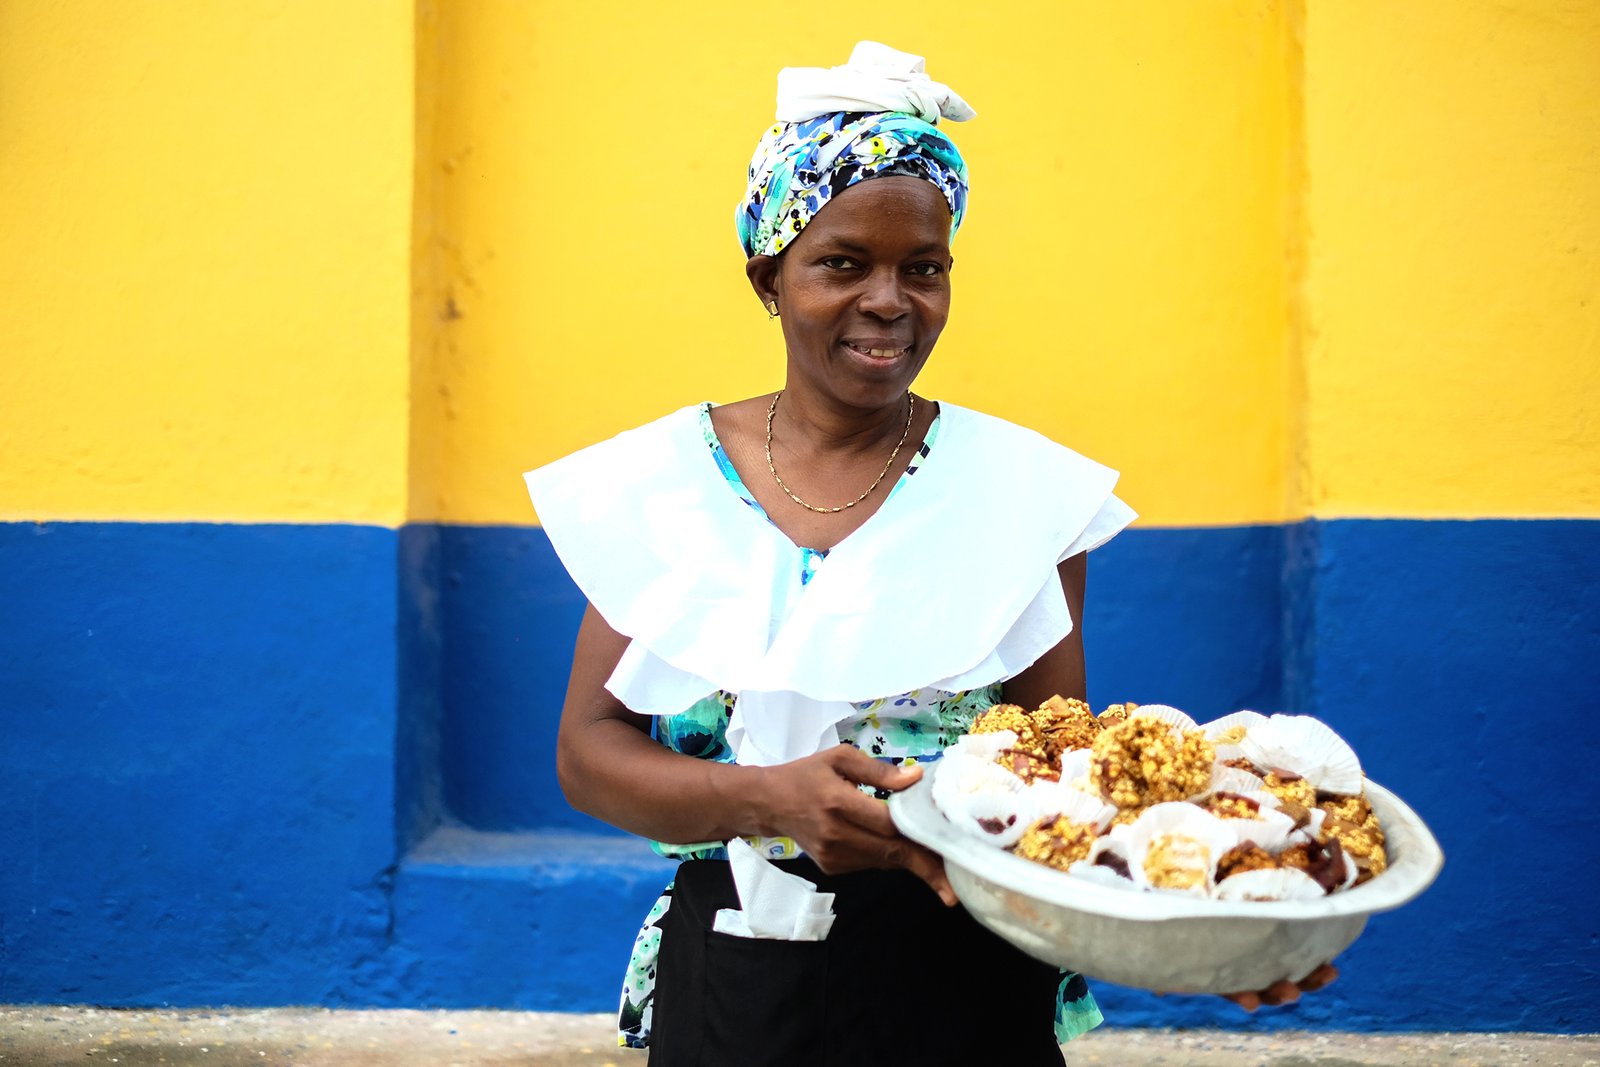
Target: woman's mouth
<point x="874" y="351"/>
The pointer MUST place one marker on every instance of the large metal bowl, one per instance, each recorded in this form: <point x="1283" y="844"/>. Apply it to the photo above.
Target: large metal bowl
<point x="1165" y="941"/>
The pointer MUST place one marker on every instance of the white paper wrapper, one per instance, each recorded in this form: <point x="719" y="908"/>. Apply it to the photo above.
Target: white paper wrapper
<point x="1240" y="720"/>
<point x="1054" y="799"/>
<point x="1269" y="830"/>
<point x="1304" y="746"/>
<point x="1225" y="779"/>
<point x="1167" y="714"/>
<point x="1282" y="884"/>
<point x="1314" y="820"/>
<point x="1075" y="770"/>
<point x="1000" y="818"/>
<point x="1194" y="836"/>
<point x="1091" y="872"/>
<point x="1120" y="844"/>
<point x="983" y="746"/>
<point x="962" y="776"/>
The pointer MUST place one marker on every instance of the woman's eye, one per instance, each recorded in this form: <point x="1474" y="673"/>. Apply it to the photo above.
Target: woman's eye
<point x="927" y="270"/>
<point x="838" y="262"/>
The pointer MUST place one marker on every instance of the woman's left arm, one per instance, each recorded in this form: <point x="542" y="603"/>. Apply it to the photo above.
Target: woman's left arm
<point x="1060" y="671"/>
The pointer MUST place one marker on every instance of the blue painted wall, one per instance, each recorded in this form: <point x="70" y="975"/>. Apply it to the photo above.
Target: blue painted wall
<point x="197" y="761"/>
<point x="311" y="764"/>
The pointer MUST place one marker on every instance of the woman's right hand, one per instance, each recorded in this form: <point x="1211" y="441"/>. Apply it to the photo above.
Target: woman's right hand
<point x="610" y="768"/>
<point x="816" y="801"/>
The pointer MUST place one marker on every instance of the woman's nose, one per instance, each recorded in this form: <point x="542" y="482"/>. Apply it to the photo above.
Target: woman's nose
<point x="884" y="296"/>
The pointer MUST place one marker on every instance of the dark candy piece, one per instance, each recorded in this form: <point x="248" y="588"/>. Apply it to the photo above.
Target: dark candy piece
<point x="1115" y="863"/>
<point x="1324" y="861"/>
<point x="1028" y="766"/>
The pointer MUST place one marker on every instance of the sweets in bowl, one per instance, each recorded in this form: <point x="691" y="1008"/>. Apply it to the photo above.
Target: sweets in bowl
<point x="1164" y="853"/>
<point x="1286" y="787"/>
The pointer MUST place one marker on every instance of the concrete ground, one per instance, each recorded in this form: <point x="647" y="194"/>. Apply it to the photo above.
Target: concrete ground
<point x="32" y="1036"/>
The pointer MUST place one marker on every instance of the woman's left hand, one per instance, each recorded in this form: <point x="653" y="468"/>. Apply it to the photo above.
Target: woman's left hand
<point x="1285" y="991"/>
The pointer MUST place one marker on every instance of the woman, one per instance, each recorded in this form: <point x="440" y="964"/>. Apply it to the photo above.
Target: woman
<point x="798" y="598"/>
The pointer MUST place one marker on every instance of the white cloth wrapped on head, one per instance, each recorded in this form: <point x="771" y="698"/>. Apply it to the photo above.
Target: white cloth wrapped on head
<point x="877" y="78"/>
<point x="876" y="116"/>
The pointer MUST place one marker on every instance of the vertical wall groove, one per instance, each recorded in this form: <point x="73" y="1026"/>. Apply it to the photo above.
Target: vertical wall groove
<point x="427" y="306"/>
<point x="419" y="797"/>
<point x="1296" y="247"/>
<point x="1297" y="592"/>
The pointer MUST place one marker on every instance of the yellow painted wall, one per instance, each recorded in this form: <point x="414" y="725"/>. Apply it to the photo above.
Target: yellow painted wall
<point x="205" y="209"/>
<point x="368" y="260"/>
<point x="1119" y="283"/>
<point x="1453" y="285"/>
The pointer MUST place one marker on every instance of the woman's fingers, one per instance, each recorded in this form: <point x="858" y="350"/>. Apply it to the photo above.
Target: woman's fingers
<point x="1282" y="991"/>
<point x="857" y="766"/>
<point x="857" y="838"/>
<point x="897" y="851"/>
<point x="925" y="864"/>
<point x="1285" y="991"/>
<point x="865" y="835"/>
<point x="844" y="829"/>
<point x="1318" y="978"/>
<point x="868" y="812"/>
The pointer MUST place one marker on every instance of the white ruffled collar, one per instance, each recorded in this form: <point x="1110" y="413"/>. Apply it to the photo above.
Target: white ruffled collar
<point x="950" y="585"/>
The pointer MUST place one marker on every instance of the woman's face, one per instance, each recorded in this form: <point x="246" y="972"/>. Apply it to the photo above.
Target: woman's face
<point x="864" y="291"/>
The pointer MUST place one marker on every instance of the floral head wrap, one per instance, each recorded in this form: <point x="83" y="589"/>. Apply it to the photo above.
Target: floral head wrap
<point x="871" y="118"/>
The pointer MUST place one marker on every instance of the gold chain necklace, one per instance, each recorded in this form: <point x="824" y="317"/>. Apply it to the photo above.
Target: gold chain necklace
<point x="911" y="407"/>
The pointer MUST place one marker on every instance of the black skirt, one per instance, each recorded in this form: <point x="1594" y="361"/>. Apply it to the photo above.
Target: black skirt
<point x="900" y="979"/>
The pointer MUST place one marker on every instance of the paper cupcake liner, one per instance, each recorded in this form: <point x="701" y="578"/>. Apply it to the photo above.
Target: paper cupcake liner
<point x="1055" y="799"/>
<point x="1271" y="830"/>
<point x="1225" y="779"/>
<point x="1167" y="714"/>
<point x="999" y="818"/>
<point x="1090" y="871"/>
<point x="1218" y="730"/>
<point x="1305" y="747"/>
<point x="983" y="746"/>
<point x="1188" y="836"/>
<point x="961" y="776"/>
<point x="1075" y="770"/>
<point x="1279" y="884"/>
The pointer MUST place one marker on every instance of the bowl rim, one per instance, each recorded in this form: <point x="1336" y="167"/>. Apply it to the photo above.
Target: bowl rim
<point x="1413" y="866"/>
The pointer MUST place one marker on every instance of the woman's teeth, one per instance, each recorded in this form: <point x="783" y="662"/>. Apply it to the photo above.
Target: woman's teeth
<point x="881" y="353"/>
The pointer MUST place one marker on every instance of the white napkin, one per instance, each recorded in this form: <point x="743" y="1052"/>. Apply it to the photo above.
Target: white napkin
<point x="775" y="904"/>
<point x="766" y="729"/>
<point x="877" y="78"/>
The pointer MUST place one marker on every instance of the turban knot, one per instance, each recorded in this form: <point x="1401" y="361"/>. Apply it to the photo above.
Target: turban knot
<point x="874" y="117"/>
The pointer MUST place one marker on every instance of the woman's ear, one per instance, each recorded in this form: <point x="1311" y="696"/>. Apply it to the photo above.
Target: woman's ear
<point x="763" y="274"/>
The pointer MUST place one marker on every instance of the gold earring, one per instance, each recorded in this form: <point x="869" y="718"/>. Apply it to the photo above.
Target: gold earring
<point x="772" y="309"/>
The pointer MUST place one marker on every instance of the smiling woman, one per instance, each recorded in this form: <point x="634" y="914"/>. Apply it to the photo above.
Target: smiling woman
<point x="797" y="598"/>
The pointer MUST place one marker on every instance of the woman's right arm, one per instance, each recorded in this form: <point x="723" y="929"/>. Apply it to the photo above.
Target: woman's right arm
<point x="610" y="768"/>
